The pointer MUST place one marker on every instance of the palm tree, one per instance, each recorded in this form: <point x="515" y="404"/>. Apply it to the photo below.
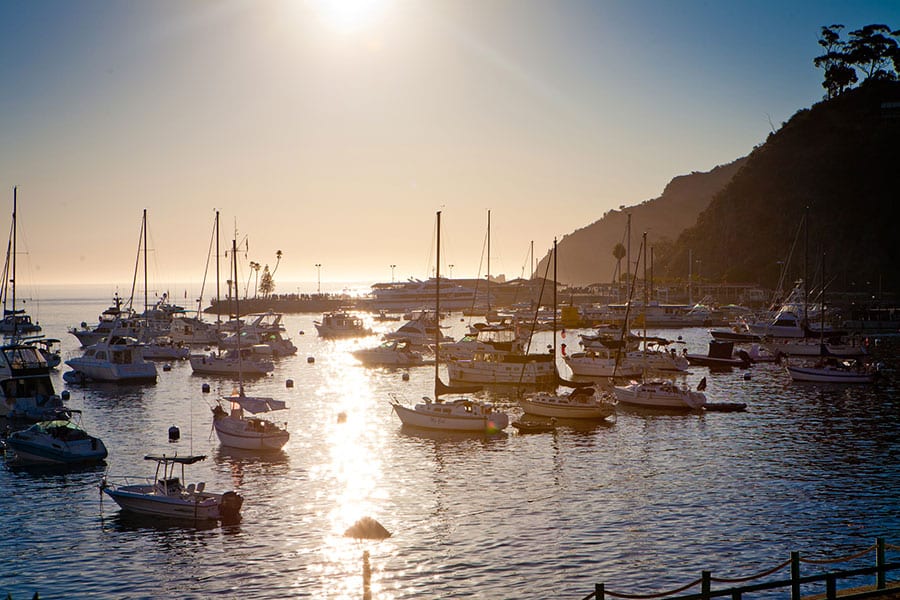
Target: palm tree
<point x="277" y="262"/>
<point x="618" y="253"/>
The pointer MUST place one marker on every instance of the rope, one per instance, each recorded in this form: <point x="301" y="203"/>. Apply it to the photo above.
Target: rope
<point x="656" y="595"/>
<point x="837" y="560"/>
<point x="751" y="577"/>
<point x="891" y="547"/>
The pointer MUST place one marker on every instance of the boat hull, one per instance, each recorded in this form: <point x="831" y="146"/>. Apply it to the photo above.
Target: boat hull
<point x="140" y="499"/>
<point x="90" y="452"/>
<point x="235" y="433"/>
<point x="429" y="418"/>
<point x="653" y="396"/>
<point x="545" y="406"/>
<point x="826" y="375"/>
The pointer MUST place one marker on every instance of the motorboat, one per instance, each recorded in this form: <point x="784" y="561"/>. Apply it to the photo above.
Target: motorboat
<point x="15" y="322"/>
<point x="529" y="426"/>
<point x="808" y="346"/>
<point x="421" y="330"/>
<point x="462" y="414"/>
<point x="116" y="359"/>
<point x="193" y="330"/>
<point x="56" y="442"/>
<point x="115" y="320"/>
<point x="237" y="430"/>
<point x="391" y="353"/>
<point x="835" y="370"/>
<point x="231" y="362"/>
<point x="164" y="348"/>
<point x="341" y="324"/>
<point x="48" y="348"/>
<point x="579" y="403"/>
<point x="165" y="495"/>
<point x="266" y="330"/>
<point x="27" y="390"/>
<point x="660" y="394"/>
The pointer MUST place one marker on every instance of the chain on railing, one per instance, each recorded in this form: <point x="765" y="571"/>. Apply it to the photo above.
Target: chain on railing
<point x="600" y="592"/>
<point x="813" y="561"/>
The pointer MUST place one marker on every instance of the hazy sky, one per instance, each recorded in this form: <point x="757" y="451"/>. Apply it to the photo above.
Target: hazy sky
<point x="333" y="131"/>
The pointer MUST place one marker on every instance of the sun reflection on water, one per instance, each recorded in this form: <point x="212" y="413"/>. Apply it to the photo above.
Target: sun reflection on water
<point x="349" y="476"/>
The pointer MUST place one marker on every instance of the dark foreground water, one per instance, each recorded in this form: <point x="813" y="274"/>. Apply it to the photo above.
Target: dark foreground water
<point x="643" y="504"/>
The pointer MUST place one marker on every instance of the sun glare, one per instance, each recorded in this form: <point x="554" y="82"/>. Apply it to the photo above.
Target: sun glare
<point x="349" y="16"/>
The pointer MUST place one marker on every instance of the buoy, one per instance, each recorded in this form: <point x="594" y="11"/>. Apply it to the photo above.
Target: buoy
<point x="301" y="332"/>
<point x="289" y="383"/>
<point x="174" y="434"/>
<point x="342" y="417"/>
<point x="747" y="376"/>
<point x="167" y="367"/>
<point x="205" y="388"/>
<point x="310" y="359"/>
<point x="406" y="377"/>
<point x="64" y="395"/>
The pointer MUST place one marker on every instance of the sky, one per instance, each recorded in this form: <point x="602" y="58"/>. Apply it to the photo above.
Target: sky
<point x="334" y="131"/>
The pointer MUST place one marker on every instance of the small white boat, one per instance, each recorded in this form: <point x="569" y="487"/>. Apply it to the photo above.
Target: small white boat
<point x="231" y="362"/>
<point x="834" y="370"/>
<point x="660" y="394"/>
<point x="265" y="329"/>
<point x="392" y="353"/>
<point x="603" y="363"/>
<point x="341" y="324"/>
<point x="57" y="442"/>
<point x="193" y="330"/>
<point x="166" y="496"/>
<point x="580" y="403"/>
<point x="164" y="348"/>
<point x="421" y="330"/>
<point x="116" y="359"/>
<point x="236" y="430"/>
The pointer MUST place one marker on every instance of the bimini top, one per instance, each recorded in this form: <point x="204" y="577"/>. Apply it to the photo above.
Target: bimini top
<point x="258" y="404"/>
<point x="183" y="460"/>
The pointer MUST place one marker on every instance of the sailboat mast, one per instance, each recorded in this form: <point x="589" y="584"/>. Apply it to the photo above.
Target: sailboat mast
<point x="13" y="261"/>
<point x="218" y="284"/>
<point x="554" y="302"/>
<point x="437" y="310"/>
<point x="237" y="311"/>
<point x="489" y="262"/>
<point x="144" y="235"/>
<point x="646" y="296"/>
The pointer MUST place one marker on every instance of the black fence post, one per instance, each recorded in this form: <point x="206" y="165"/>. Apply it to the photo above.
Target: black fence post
<point x="880" y="575"/>
<point x="706" y="584"/>
<point x="831" y="586"/>
<point x="599" y="591"/>
<point x="795" y="576"/>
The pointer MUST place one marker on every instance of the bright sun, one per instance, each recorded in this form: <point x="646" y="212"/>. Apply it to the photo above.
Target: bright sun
<point x="348" y="16"/>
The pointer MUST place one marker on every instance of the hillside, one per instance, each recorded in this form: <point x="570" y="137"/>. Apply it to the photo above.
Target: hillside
<point x="586" y="254"/>
<point x="840" y="160"/>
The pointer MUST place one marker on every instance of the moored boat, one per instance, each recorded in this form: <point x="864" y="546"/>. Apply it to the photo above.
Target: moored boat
<point x="56" y="442"/>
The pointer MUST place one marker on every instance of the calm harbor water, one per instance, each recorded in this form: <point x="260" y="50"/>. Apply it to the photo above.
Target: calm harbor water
<point x="643" y="504"/>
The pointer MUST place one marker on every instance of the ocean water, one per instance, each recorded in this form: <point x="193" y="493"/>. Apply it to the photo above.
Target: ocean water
<point x="642" y="504"/>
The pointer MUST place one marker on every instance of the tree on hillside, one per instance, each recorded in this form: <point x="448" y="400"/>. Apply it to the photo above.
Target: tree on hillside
<point x="839" y="75"/>
<point x="618" y="253"/>
<point x="873" y="50"/>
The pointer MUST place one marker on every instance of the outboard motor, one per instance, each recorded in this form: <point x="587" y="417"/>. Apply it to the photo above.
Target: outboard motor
<point x="230" y="507"/>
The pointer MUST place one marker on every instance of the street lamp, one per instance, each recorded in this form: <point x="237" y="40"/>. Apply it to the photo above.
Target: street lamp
<point x="392" y="272"/>
<point x="451" y="271"/>
<point x="318" y="278"/>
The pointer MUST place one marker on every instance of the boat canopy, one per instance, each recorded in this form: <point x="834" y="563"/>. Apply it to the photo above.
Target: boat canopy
<point x="256" y="404"/>
<point x="183" y="460"/>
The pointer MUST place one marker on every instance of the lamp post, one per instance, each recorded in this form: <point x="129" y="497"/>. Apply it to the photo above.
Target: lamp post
<point x="451" y="271"/>
<point x="392" y="272"/>
<point x="318" y="278"/>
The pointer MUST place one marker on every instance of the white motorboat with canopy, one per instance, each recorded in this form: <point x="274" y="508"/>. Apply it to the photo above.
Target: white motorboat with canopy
<point x="56" y="442"/>
<point x="167" y="496"/>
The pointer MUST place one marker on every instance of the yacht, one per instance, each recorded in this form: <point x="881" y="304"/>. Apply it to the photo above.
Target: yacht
<point x="27" y="391"/>
<point x="116" y="359"/>
<point x="341" y="324"/>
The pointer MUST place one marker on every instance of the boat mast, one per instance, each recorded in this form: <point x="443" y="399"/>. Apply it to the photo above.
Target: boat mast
<point x="437" y="310"/>
<point x="489" y="264"/>
<point x="218" y="284"/>
<point x="144" y="235"/>
<point x="237" y="311"/>
<point x="13" y="261"/>
<point x="554" y="303"/>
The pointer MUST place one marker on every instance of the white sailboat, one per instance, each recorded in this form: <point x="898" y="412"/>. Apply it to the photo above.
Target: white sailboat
<point x="462" y="414"/>
<point x="583" y="402"/>
<point x="237" y="430"/>
<point x="15" y="321"/>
